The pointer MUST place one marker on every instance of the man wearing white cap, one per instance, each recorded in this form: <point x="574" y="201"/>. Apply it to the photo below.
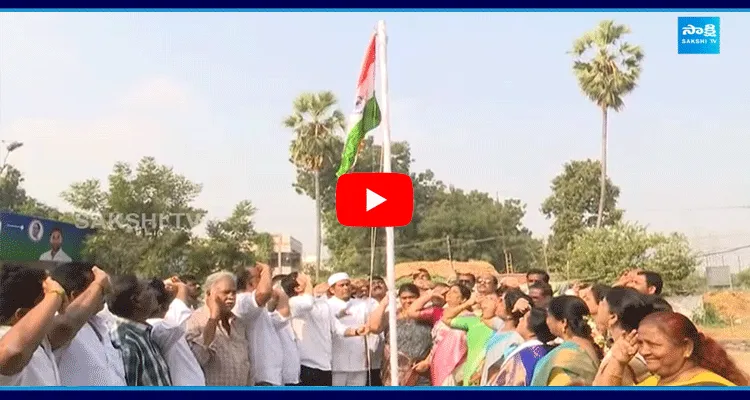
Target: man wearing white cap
<point x="315" y="327"/>
<point x="349" y="364"/>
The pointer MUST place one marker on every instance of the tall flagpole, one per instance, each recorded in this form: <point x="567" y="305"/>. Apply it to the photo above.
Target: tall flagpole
<point x="390" y="256"/>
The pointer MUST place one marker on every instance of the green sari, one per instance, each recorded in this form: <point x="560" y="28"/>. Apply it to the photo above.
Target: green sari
<point x="567" y="361"/>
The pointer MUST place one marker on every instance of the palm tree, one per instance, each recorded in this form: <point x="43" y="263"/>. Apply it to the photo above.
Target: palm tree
<point x="314" y="122"/>
<point x="605" y="75"/>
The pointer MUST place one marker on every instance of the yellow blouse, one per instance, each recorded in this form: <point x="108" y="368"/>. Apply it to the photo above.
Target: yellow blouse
<point x="705" y="378"/>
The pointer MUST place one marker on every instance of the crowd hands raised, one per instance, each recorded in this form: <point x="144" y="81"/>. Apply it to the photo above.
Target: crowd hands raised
<point x="77" y="326"/>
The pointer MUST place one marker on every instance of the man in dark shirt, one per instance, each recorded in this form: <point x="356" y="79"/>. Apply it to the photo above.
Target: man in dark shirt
<point x="132" y="303"/>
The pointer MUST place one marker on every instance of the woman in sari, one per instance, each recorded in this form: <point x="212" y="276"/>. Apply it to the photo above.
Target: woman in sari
<point x="576" y="360"/>
<point x="448" y="345"/>
<point x="413" y="336"/>
<point x="518" y="367"/>
<point x="621" y="311"/>
<point x="593" y="295"/>
<point x="478" y="331"/>
<point x="676" y="354"/>
<point x="513" y="305"/>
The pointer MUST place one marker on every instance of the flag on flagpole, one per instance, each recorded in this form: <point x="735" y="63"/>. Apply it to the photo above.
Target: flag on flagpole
<point x="366" y="116"/>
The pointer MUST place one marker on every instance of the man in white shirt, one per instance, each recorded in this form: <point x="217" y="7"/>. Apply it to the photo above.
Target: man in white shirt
<point x="315" y="327"/>
<point x="89" y="359"/>
<point x="26" y="357"/>
<point x="255" y="290"/>
<point x="169" y="332"/>
<point x="56" y="253"/>
<point x="350" y="354"/>
<point x="280" y="314"/>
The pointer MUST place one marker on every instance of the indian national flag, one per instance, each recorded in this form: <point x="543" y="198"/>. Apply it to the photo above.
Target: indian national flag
<point x="366" y="116"/>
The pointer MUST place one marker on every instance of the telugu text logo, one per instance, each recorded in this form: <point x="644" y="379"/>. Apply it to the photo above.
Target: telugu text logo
<point x="698" y="35"/>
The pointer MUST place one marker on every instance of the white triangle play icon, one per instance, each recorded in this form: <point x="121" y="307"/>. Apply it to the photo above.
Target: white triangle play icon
<point x="373" y="200"/>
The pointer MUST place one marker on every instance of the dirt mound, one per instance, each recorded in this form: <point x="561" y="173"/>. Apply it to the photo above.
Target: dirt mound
<point x="444" y="268"/>
<point x="731" y="305"/>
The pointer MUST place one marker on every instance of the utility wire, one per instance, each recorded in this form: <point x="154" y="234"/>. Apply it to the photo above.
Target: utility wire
<point x="458" y="243"/>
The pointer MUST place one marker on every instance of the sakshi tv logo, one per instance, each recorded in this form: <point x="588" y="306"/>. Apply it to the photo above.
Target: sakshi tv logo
<point x="698" y="35"/>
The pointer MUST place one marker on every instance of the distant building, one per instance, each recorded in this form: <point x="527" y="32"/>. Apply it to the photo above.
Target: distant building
<point x="287" y="255"/>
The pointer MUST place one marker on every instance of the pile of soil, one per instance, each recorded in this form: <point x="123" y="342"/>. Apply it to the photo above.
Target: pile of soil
<point x="734" y="308"/>
<point x="730" y="304"/>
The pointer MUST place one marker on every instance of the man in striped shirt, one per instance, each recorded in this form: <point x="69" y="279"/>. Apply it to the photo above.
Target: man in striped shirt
<point x="132" y="302"/>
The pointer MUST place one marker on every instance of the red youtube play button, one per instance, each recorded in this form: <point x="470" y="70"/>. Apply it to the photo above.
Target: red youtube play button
<point x="374" y="199"/>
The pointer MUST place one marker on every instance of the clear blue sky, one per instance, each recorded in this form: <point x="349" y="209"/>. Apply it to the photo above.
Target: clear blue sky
<point x="486" y="100"/>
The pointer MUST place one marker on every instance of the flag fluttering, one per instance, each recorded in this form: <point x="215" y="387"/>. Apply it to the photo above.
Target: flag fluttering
<point x="366" y="115"/>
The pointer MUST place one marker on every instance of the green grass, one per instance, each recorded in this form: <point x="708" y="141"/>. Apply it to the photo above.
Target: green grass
<point x="709" y="317"/>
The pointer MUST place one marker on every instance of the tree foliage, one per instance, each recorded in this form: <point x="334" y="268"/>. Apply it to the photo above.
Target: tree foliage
<point x="600" y="255"/>
<point x="13" y="197"/>
<point x="439" y="212"/>
<point x="230" y="243"/>
<point x="315" y="122"/>
<point x="573" y="206"/>
<point x="162" y="242"/>
<point x="607" y="68"/>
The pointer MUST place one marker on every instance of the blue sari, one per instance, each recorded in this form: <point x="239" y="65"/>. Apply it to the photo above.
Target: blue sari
<point x="498" y="347"/>
<point x="518" y="368"/>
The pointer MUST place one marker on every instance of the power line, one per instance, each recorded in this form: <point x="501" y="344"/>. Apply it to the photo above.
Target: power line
<point x="458" y="243"/>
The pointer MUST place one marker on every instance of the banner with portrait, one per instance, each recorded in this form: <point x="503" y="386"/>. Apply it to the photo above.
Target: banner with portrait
<point x="25" y="238"/>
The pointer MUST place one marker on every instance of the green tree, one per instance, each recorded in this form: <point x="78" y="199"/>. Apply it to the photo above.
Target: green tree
<point x="229" y="243"/>
<point x="607" y="68"/>
<point x="315" y="122"/>
<point x="438" y="212"/>
<point x="14" y="198"/>
<point x="601" y="255"/>
<point x="480" y="228"/>
<point x="155" y="242"/>
<point x="350" y="247"/>
<point x="573" y="206"/>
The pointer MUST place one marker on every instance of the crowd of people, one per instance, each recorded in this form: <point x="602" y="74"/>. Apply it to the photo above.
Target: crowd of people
<point x="77" y="326"/>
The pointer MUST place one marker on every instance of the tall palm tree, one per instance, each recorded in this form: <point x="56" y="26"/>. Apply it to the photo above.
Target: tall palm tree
<point x="607" y="68"/>
<point x="314" y="121"/>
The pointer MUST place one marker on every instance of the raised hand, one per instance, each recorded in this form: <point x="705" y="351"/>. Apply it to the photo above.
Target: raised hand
<point x="214" y="306"/>
<point x="522" y="305"/>
<point x="101" y="278"/>
<point x="625" y="347"/>
<point x="51" y="286"/>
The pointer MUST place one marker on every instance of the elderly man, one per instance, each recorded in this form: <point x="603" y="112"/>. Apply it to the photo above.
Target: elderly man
<point x="349" y="365"/>
<point x="217" y="337"/>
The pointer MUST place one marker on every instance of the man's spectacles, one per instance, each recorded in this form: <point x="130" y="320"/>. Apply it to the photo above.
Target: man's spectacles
<point x="466" y="282"/>
<point x="485" y="281"/>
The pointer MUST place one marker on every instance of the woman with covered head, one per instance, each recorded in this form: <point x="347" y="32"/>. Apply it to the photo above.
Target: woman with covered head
<point x="576" y="360"/>
<point x="518" y="367"/>
<point x="621" y="311"/>
<point x="676" y="354"/>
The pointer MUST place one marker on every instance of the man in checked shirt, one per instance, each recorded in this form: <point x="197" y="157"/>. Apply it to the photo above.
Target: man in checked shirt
<point x="132" y="302"/>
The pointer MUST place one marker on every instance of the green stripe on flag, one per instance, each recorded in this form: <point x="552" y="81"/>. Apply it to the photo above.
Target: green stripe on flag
<point x="370" y="120"/>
